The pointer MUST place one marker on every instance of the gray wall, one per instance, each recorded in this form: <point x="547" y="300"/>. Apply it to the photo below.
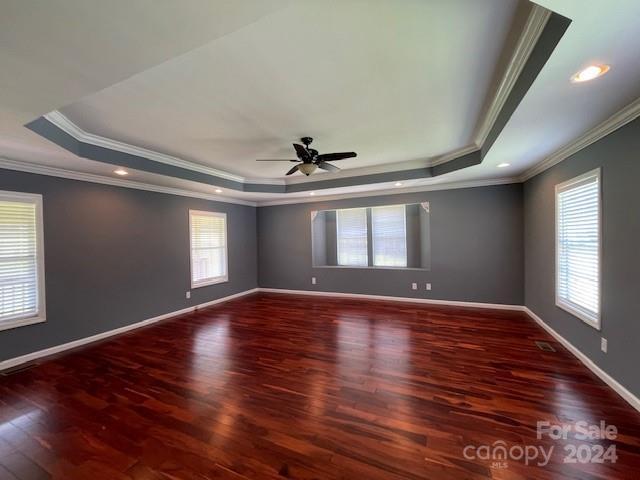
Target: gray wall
<point x="617" y="155"/>
<point x="116" y="256"/>
<point x="476" y="248"/>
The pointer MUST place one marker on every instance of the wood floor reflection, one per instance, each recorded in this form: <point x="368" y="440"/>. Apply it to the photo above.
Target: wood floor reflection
<point x="276" y="386"/>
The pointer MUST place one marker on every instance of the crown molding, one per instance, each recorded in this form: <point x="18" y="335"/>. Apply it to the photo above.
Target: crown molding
<point x="389" y="191"/>
<point x="536" y="21"/>
<point x="616" y="121"/>
<point x="387" y="168"/>
<point x="8" y="164"/>
<point x="20" y="166"/>
<point x="611" y="124"/>
<point x="447" y="157"/>
<point x="264" y="181"/>
<point x="62" y="122"/>
<point x="358" y="172"/>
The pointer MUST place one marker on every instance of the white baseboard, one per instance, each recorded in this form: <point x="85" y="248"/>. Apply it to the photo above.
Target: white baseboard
<point x="604" y="376"/>
<point x="494" y="306"/>
<point x="12" y="362"/>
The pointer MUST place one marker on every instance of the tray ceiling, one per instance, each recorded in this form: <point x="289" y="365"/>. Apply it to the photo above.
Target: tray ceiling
<point x="395" y="81"/>
<point x="217" y="84"/>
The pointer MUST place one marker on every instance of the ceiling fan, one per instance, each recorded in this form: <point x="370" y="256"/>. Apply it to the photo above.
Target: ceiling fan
<point x="309" y="159"/>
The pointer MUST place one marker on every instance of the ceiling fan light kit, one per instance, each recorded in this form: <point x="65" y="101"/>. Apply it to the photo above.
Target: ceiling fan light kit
<point x="309" y="159"/>
<point x="307" y="168"/>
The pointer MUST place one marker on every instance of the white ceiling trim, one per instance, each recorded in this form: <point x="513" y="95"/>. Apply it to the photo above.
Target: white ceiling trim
<point x="536" y="21"/>
<point x="6" y="163"/>
<point x="62" y="122"/>
<point x="89" y="177"/>
<point x="460" y="152"/>
<point x="392" y="167"/>
<point x="394" y="191"/>
<point x="358" y="172"/>
<point x="614" y="122"/>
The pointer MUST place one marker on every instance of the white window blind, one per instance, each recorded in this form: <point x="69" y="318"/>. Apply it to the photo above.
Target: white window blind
<point x="351" y="226"/>
<point x="21" y="260"/>
<point x="388" y="225"/>
<point x="208" y="232"/>
<point x="578" y="247"/>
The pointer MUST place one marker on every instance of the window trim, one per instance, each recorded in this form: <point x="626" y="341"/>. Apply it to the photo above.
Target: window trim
<point x="575" y="310"/>
<point x="41" y="306"/>
<point x="213" y="280"/>
<point x="373" y="238"/>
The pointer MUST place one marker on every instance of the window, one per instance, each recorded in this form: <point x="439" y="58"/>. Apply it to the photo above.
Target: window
<point x="388" y="237"/>
<point x="578" y="247"/>
<point x="208" y="231"/>
<point x="351" y="227"/>
<point x="22" y="300"/>
<point x="388" y="225"/>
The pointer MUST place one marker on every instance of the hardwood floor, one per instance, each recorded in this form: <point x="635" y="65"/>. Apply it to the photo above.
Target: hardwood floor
<point x="278" y="386"/>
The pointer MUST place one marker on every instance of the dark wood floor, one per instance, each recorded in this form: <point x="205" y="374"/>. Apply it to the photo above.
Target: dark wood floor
<point x="276" y="386"/>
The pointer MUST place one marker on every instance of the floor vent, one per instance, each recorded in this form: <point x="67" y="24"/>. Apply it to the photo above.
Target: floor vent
<point x="545" y="347"/>
<point x="18" y="369"/>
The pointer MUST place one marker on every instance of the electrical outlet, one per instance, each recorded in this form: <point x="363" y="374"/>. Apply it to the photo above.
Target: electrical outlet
<point x="603" y="344"/>
<point x="188" y="294"/>
<point x="428" y="286"/>
<point x="313" y="280"/>
<point x="414" y="286"/>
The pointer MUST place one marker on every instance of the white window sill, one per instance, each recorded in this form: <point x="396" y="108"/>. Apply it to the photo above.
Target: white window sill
<point x="567" y="307"/>
<point x="211" y="281"/>
<point x="21" y="322"/>
<point x="372" y="267"/>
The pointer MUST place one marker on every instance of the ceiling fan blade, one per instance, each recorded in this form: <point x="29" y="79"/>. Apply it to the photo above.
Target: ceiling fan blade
<point x="302" y="152"/>
<point x="328" y="167"/>
<point x="293" y="170"/>
<point x="275" y="160"/>
<point x="327" y="157"/>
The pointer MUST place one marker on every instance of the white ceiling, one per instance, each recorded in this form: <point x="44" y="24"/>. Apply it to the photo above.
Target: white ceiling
<point x="221" y="83"/>
<point x="53" y="53"/>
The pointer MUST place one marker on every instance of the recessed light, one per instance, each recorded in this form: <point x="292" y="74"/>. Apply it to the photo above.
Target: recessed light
<point x="398" y="184"/>
<point x="312" y="193"/>
<point x="121" y="171"/>
<point x="504" y="165"/>
<point x="589" y="73"/>
<point x="218" y="190"/>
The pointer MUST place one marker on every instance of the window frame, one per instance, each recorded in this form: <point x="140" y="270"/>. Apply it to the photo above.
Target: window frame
<point x="213" y="280"/>
<point x="41" y="304"/>
<point x="595" y="322"/>
<point x="373" y="237"/>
